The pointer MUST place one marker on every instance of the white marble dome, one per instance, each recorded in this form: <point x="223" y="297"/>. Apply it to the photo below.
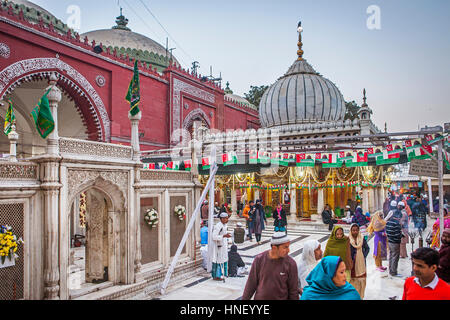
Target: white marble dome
<point x="302" y="95"/>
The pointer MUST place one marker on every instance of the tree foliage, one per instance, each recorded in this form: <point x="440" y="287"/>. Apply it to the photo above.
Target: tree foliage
<point x="351" y="110"/>
<point x="255" y="94"/>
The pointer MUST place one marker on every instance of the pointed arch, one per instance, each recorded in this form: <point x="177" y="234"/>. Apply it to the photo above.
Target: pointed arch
<point x="13" y="75"/>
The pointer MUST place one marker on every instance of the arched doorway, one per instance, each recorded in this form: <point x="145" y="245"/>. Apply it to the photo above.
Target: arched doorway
<point x="97" y="238"/>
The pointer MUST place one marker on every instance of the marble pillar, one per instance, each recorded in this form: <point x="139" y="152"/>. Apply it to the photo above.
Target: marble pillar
<point x="54" y="97"/>
<point x="256" y="194"/>
<point x="137" y="206"/>
<point x="293" y="204"/>
<point x="320" y="201"/>
<point x="13" y="136"/>
<point x="376" y="200"/>
<point x="234" y="201"/>
<point x="365" y="200"/>
<point x="371" y="196"/>
<point x="49" y="167"/>
<point x="135" y="135"/>
<point x="380" y="199"/>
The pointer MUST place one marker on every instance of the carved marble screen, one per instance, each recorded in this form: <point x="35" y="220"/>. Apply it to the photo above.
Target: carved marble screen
<point x="12" y="277"/>
<point x="177" y="227"/>
<point x="149" y="235"/>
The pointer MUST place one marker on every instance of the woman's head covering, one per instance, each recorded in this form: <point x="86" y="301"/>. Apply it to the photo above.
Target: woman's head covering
<point x="335" y="246"/>
<point x="358" y="260"/>
<point x="308" y="251"/>
<point x="377" y="223"/>
<point x="358" y="210"/>
<point x="233" y="248"/>
<point x="321" y="285"/>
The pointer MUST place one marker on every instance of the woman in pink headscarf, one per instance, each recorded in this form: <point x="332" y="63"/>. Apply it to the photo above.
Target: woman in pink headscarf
<point x="279" y="217"/>
<point x="436" y="233"/>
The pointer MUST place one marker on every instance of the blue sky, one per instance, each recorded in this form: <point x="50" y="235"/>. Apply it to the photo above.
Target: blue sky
<point x="404" y="65"/>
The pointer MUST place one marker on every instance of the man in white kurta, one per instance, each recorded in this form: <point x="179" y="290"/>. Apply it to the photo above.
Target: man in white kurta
<point x="219" y="259"/>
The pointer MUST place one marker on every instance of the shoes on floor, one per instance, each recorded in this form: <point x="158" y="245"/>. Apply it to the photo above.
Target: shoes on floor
<point x="381" y="269"/>
<point x="396" y="275"/>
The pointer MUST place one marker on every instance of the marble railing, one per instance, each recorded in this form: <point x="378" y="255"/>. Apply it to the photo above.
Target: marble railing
<point x="93" y="149"/>
<point x="18" y="171"/>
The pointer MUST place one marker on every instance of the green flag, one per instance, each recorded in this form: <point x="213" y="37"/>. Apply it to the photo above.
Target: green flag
<point x="43" y="118"/>
<point x="9" y="119"/>
<point x="133" y="95"/>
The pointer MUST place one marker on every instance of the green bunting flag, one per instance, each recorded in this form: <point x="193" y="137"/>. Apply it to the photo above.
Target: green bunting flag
<point x="374" y="152"/>
<point x="331" y="161"/>
<point x="43" y="117"/>
<point x="187" y="165"/>
<point x="387" y="158"/>
<point x="229" y="158"/>
<point x="263" y="157"/>
<point x="133" y="95"/>
<point x="418" y="152"/>
<point x="434" y="137"/>
<point x="305" y="160"/>
<point x="10" y="118"/>
<point x="206" y="164"/>
<point x="360" y="159"/>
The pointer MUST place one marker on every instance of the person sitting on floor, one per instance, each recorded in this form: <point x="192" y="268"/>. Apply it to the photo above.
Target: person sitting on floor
<point x="237" y="267"/>
<point x="348" y="215"/>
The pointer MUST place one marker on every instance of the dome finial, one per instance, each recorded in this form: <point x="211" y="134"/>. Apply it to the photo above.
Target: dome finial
<point x="227" y="89"/>
<point x="364" y="97"/>
<point x="121" y="22"/>
<point x="300" y="44"/>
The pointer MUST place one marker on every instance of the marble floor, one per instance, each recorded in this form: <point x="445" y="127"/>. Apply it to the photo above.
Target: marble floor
<point x="380" y="286"/>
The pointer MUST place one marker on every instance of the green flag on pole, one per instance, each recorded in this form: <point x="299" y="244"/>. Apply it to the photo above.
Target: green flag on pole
<point x="133" y="95"/>
<point x="9" y="118"/>
<point x="43" y="118"/>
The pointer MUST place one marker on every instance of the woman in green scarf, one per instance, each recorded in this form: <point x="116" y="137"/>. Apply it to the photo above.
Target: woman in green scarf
<point x="339" y="245"/>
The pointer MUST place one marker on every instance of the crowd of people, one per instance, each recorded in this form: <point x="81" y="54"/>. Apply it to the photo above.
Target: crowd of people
<point x="339" y="271"/>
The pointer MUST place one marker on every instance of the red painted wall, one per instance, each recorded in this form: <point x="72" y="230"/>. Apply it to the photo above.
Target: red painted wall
<point x="32" y="41"/>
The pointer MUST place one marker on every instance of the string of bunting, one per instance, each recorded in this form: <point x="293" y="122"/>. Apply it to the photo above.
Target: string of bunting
<point x="418" y="148"/>
<point x="305" y="186"/>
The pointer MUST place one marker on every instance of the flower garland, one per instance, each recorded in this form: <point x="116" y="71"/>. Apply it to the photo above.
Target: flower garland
<point x="151" y="217"/>
<point x="8" y="243"/>
<point x="180" y="212"/>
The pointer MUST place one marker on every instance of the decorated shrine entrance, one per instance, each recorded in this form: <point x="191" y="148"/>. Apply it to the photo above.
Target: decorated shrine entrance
<point x="95" y="239"/>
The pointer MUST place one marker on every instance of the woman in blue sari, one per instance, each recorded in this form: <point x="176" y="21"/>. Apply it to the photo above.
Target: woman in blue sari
<point x="327" y="281"/>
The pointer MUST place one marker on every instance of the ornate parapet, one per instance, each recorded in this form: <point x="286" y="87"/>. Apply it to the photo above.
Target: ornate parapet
<point x="230" y="102"/>
<point x="152" y="175"/>
<point x="18" y="171"/>
<point x="91" y="150"/>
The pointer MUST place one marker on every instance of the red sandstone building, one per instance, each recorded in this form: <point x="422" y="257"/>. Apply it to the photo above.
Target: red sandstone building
<point x="34" y="44"/>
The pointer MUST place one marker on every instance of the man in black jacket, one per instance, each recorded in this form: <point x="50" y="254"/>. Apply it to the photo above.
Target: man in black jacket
<point x="327" y="217"/>
<point x="419" y="215"/>
<point x="394" y="235"/>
